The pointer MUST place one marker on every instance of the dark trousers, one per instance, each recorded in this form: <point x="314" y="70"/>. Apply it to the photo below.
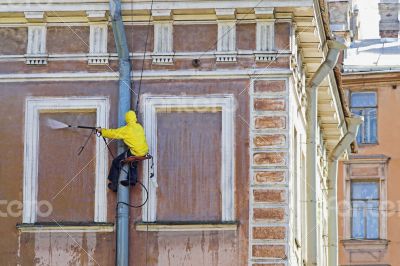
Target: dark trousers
<point x="116" y="167"/>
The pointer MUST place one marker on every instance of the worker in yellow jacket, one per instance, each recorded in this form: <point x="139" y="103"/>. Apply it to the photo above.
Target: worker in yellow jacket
<point x="133" y="136"/>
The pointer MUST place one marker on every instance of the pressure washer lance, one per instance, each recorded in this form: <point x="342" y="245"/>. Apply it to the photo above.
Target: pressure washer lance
<point x="94" y="131"/>
<point x="55" y="124"/>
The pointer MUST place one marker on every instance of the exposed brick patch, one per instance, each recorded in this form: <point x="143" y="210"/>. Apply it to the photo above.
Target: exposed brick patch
<point x="263" y="158"/>
<point x="270" y="195"/>
<point x="272" y="214"/>
<point x="269" y="140"/>
<point x="269" y="86"/>
<point x="267" y="104"/>
<point x="269" y="177"/>
<point x="273" y="232"/>
<point x="269" y="251"/>
<point x="266" y="122"/>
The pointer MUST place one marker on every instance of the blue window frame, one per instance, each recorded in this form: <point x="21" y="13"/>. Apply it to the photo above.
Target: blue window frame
<point x="365" y="104"/>
<point x="365" y="209"/>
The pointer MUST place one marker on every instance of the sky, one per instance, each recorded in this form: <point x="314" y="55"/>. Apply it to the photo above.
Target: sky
<point x="369" y="18"/>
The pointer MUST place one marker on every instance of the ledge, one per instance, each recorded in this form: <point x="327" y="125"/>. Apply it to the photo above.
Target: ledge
<point x="186" y="227"/>
<point x="365" y="244"/>
<point x="65" y="227"/>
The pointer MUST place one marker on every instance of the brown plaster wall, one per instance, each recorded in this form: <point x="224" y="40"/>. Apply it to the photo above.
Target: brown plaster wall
<point x="28" y="248"/>
<point x="13" y="41"/>
<point x="189" y="166"/>
<point x="388" y="127"/>
<point x="67" y="40"/>
<point x="195" y="38"/>
<point x="168" y="248"/>
<point x="136" y="36"/>
<point x="246" y="36"/>
<point x="282" y="36"/>
<point x="202" y="248"/>
<point x="65" y="178"/>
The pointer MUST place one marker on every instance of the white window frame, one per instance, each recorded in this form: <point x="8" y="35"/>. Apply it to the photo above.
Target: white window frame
<point x="381" y="178"/>
<point x="34" y="106"/>
<point x="225" y="103"/>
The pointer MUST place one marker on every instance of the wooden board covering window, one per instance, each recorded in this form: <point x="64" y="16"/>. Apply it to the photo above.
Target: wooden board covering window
<point x="66" y="180"/>
<point x="189" y="166"/>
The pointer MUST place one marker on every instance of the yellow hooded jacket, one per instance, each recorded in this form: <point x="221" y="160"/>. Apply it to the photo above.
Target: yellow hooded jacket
<point x="132" y="134"/>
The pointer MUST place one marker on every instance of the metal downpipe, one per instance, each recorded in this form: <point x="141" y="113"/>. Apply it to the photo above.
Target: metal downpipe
<point x="312" y="123"/>
<point x="124" y="100"/>
<point x="353" y="123"/>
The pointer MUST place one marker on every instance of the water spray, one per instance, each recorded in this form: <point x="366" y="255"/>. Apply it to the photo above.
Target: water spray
<point x="54" y="124"/>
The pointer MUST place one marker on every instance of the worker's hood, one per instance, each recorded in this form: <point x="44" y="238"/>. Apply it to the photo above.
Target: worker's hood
<point x="130" y="117"/>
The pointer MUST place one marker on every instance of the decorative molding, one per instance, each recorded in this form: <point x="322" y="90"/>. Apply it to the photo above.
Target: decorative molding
<point x="190" y="227"/>
<point x="148" y="74"/>
<point x="79" y="5"/>
<point x="97" y="15"/>
<point x="161" y="14"/>
<point x="264" y="12"/>
<point x="379" y="162"/>
<point x="36" y="48"/>
<point x="355" y="244"/>
<point x="98" y="44"/>
<point x="163" y="42"/>
<point x="265" y="40"/>
<point x="266" y="56"/>
<point x="33" y="107"/>
<point x="151" y="104"/>
<point x="225" y="13"/>
<point x="226" y="45"/>
<point x="61" y="227"/>
<point x="34" y="16"/>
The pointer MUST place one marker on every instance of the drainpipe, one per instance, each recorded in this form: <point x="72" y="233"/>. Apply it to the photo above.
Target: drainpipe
<point x="353" y="123"/>
<point x="312" y="123"/>
<point x="124" y="100"/>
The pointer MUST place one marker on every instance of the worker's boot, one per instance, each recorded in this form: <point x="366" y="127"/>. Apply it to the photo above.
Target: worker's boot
<point x="113" y="186"/>
<point x="132" y="177"/>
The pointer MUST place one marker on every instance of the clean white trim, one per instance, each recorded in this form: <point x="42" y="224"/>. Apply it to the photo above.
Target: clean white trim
<point x="98" y="44"/>
<point x="151" y="74"/>
<point x="163" y="42"/>
<point x="226" y="43"/>
<point x="150" y="55"/>
<point x="89" y="5"/>
<point x="59" y="228"/>
<point x="36" y="47"/>
<point x="226" y="102"/>
<point x="33" y="107"/>
<point x="186" y="227"/>
<point x="265" y="36"/>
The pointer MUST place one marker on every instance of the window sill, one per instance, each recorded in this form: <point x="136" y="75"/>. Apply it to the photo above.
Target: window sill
<point x="186" y="227"/>
<point x="365" y="244"/>
<point x="65" y="227"/>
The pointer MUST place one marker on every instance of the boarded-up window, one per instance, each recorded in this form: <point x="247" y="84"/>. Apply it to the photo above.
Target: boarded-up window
<point x="66" y="180"/>
<point x="189" y="166"/>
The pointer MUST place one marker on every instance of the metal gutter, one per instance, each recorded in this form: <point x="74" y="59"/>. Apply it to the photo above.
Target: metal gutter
<point x="124" y="104"/>
<point x="323" y="71"/>
<point x="353" y="123"/>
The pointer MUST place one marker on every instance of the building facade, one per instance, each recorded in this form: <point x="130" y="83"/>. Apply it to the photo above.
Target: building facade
<point x="221" y="88"/>
<point x="368" y="199"/>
